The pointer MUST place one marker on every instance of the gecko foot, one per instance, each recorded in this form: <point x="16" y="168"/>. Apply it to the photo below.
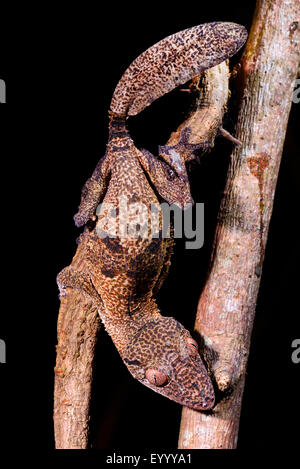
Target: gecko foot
<point x="177" y="155"/>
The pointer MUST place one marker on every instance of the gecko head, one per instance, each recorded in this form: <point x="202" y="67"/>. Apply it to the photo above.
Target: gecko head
<point x="163" y="356"/>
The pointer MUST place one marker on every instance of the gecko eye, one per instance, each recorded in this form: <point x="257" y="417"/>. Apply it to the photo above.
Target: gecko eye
<point x="156" y="377"/>
<point x="192" y="346"/>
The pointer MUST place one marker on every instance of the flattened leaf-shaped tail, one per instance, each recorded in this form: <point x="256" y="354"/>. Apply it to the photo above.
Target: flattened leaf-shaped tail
<point x="173" y="61"/>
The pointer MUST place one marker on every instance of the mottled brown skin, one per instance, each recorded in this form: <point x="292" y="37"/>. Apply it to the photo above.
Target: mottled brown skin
<point x="173" y="61"/>
<point x="125" y="272"/>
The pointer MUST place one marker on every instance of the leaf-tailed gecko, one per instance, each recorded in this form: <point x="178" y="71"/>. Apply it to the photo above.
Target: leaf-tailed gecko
<point x="127" y="267"/>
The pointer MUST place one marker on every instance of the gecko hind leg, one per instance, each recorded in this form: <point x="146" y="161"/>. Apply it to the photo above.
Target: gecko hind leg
<point x="93" y="192"/>
<point x="72" y="278"/>
<point x="177" y="155"/>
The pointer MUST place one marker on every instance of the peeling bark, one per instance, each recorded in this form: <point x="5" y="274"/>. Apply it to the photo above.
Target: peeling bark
<point x="227" y="304"/>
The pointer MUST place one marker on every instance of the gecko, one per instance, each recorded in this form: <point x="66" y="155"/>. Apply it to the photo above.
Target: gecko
<point x="127" y="267"/>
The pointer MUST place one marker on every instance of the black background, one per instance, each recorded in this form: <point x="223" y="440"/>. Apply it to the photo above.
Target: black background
<point x="61" y="69"/>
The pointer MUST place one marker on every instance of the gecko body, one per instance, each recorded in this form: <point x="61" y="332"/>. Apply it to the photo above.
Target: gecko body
<point x="127" y="267"/>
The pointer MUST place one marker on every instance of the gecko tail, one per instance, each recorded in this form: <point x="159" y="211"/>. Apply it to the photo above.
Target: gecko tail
<point x="173" y="61"/>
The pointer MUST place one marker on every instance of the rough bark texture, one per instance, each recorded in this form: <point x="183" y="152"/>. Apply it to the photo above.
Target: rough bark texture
<point x="227" y="304"/>
<point x="78" y="321"/>
<point x="206" y="119"/>
<point x="77" y="331"/>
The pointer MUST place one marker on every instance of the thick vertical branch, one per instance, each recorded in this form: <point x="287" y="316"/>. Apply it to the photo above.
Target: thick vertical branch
<point x="227" y="305"/>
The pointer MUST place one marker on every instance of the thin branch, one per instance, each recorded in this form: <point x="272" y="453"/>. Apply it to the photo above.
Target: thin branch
<point x="77" y="331"/>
